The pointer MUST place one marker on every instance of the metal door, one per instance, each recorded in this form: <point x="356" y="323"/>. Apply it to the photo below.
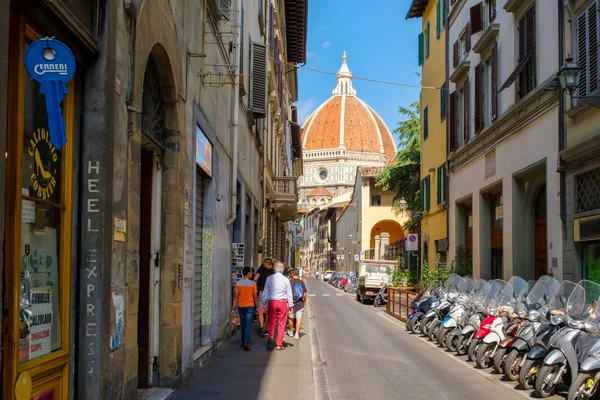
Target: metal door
<point x="199" y="220"/>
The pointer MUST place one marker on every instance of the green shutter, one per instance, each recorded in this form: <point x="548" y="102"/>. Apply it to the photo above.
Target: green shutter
<point x="422" y="195"/>
<point x="427" y="40"/>
<point x="445" y="184"/>
<point x="428" y="190"/>
<point x="425" y="123"/>
<point x="438" y="18"/>
<point x="421" y="48"/>
<point x="443" y="14"/>
<point x="440" y="177"/>
<point x="443" y="100"/>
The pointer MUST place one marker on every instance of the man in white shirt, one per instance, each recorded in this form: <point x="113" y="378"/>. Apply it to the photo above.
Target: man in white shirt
<point x="301" y="274"/>
<point x="277" y="294"/>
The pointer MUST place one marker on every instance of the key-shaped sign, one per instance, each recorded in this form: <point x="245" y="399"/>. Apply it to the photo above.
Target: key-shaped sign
<point x="51" y="63"/>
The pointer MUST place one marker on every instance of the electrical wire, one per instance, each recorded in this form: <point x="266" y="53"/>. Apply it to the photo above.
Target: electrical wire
<point x="373" y="80"/>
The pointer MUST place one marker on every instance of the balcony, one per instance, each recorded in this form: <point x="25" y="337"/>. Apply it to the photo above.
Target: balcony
<point x="286" y="197"/>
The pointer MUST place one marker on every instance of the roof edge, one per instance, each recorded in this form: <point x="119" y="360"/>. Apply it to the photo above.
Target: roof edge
<point x="412" y="13"/>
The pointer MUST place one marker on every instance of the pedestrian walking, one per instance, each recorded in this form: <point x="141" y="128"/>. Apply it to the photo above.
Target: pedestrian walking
<point x="265" y="270"/>
<point x="299" y="296"/>
<point x="277" y="294"/>
<point x="245" y="296"/>
<point x="301" y="274"/>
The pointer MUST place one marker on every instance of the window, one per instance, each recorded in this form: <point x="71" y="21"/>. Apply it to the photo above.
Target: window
<point x="438" y="19"/>
<point x="376" y="200"/>
<point x="476" y="14"/>
<point x="323" y="174"/>
<point x="456" y="123"/>
<point x="421" y="49"/>
<point x="427" y="40"/>
<point x="441" y="183"/>
<point x="425" y="123"/>
<point x="444" y="101"/>
<point x="241" y="50"/>
<point x="426" y="193"/>
<point x="525" y="71"/>
<point x="483" y="94"/>
<point x="491" y="11"/>
<point x="587" y="49"/>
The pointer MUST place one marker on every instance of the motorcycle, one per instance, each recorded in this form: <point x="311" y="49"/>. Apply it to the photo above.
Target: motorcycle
<point x="512" y="350"/>
<point x="561" y="365"/>
<point x="585" y="384"/>
<point x="461" y="337"/>
<point x="381" y="298"/>
<point x="458" y="310"/>
<point x="414" y="305"/>
<point x="439" y="312"/>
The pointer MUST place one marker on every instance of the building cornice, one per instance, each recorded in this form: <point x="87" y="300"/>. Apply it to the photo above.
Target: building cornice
<point x="487" y="40"/>
<point x="516" y="118"/>
<point x="461" y="72"/>
<point x="456" y="9"/>
<point x="517" y="6"/>
<point x="580" y="154"/>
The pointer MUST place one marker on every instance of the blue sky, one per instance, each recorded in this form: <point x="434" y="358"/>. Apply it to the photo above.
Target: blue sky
<point x="380" y="44"/>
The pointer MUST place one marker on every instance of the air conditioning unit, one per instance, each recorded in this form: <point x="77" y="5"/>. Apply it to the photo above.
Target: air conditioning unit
<point x="586" y="229"/>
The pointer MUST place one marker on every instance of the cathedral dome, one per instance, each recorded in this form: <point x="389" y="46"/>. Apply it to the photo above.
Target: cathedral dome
<point x="344" y="121"/>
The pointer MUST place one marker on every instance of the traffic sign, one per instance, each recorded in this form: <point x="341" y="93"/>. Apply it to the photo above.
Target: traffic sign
<point x="412" y="242"/>
<point x="362" y="255"/>
<point x="356" y="257"/>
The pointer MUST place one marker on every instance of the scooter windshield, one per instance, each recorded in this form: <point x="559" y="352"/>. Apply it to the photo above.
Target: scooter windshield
<point x="495" y="294"/>
<point x="542" y="291"/>
<point x="583" y="301"/>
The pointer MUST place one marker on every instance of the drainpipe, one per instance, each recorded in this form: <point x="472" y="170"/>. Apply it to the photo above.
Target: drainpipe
<point x="236" y="117"/>
<point x="562" y="139"/>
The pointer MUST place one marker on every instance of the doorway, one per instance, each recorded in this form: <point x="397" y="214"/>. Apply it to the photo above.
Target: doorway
<point x="540" y="233"/>
<point x="149" y="278"/>
<point x="496" y="232"/>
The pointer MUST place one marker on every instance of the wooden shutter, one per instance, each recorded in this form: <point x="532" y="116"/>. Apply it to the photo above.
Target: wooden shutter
<point x="241" y="49"/>
<point x="494" y="88"/>
<point x="425" y="123"/>
<point x="444" y="14"/>
<point x="526" y="45"/>
<point x="492" y="10"/>
<point x="427" y="40"/>
<point x="530" y="29"/>
<point x="478" y="98"/>
<point x="477" y="18"/>
<point x="587" y="50"/>
<point x="455" y="53"/>
<point x="438" y="19"/>
<point x="421" y="49"/>
<point x="422" y="195"/>
<point x="444" y="101"/>
<point x="439" y="178"/>
<point x="468" y="37"/>
<point x="428" y="190"/>
<point x="446" y="188"/>
<point x="452" y="121"/>
<point x="258" y="80"/>
<point x="466" y="109"/>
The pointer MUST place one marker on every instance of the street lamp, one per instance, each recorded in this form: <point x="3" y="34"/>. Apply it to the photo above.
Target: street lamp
<point x="569" y="77"/>
<point x="403" y="205"/>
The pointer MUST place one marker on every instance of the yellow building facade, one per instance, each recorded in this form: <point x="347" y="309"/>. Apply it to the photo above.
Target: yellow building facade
<point x="432" y="59"/>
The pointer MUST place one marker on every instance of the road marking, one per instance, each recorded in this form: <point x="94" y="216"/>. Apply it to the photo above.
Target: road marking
<point x="482" y="372"/>
<point x="340" y="294"/>
<point x="325" y="295"/>
<point x="311" y="295"/>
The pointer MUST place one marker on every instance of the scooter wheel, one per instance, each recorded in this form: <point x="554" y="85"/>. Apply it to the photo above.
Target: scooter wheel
<point x="452" y="342"/>
<point x="472" y="352"/>
<point x="528" y="373"/>
<point x="579" y="388"/>
<point x="512" y="364"/>
<point x="483" y="358"/>
<point x="424" y="326"/>
<point x="434" y="329"/>
<point x="499" y="359"/>
<point x="462" y="344"/>
<point x="441" y="336"/>
<point x="409" y="322"/>
<point x="415" y="325"/>
<point x="543" y="383"/>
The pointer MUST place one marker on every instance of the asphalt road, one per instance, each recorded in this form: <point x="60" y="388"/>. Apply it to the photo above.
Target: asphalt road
<point x="369" y="355"/>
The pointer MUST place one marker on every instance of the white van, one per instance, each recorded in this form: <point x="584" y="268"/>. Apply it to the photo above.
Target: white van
<point x="372" y="275"/>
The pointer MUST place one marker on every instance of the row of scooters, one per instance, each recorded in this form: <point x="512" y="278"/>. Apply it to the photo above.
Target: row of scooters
<point x="344" y="281"/>
<point x="543" y="334"/>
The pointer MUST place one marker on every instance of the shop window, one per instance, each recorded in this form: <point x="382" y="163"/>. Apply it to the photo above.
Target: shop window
<point x="591" y="261"/>
<point x="588" y="191"/>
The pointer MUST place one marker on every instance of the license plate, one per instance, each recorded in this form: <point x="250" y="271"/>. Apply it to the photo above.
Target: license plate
<point x="370" y="293"/>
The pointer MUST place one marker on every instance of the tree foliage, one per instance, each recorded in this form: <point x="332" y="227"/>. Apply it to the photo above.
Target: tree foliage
<point x="404" y="175"/>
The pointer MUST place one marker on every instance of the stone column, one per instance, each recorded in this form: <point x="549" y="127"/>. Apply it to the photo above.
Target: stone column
<point x="377" y="246"/>
<point x="385" y="241"/>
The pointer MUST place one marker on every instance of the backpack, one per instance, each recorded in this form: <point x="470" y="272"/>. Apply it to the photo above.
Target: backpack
<point x="298" y="292"/>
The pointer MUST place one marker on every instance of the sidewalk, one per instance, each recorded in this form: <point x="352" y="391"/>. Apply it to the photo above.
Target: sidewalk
<point x="232" y="374"/>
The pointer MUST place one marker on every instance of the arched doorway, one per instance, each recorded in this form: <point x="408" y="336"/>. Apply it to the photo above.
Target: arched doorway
<point x="540" y="233"/>
<point x="153" y="137"/>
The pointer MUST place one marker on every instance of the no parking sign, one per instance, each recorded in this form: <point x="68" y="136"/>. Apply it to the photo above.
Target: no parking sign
<point x="412" y="242"/>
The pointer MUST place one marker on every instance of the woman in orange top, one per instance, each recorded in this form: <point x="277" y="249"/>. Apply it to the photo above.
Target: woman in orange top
<point x="245" y="296"/>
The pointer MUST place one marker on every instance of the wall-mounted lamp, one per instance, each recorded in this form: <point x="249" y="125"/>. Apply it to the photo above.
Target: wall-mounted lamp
<point x="569" y="77"/>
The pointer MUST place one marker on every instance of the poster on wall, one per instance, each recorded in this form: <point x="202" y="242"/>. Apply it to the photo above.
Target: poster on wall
<point x="203" y="152"/>
<point x="40" y="322"/>
<point x="237" y="259"/>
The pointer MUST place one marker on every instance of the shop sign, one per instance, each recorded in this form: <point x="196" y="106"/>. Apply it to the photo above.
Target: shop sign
<point x="43" y="168"/>
<point x="40" y="323"/>
<point x="203" y="152"/>
<point x="52" y="64"/>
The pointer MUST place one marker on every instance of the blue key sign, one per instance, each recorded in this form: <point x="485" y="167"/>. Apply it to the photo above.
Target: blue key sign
<point x="51" y="63"/>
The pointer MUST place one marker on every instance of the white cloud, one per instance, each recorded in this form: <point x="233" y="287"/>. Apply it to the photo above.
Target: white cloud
<point x="305" y="107"/>
<point x="309" y="55"/>
<point x="326" y="44"/>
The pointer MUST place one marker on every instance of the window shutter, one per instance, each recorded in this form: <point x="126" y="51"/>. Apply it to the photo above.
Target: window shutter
<point x="526" y="45"/>
<point x="439" y="177"/>
<point x="258" y="80"/>
<point x="438" y="19"/>
<point x="446" y="188"/>
<point x="444" y="15"/>
<point x="492" y="10"/>
<point x="530" y="24"/>
<point x="522" y="30"/>
<point x="452" y="120"/>
<point x="466" y="109"/>
<point x="422" y="195"/>
<point x="587" y="50"/>
<point x="494" y="88"/>
<point x="224" y="8"/>
<point x="428" y="190"/>
<point x="468" y="36"/>
<point x="455" y="55"/>
<point x="425" y="123"/>
<point x="444" y="100"/>
<point x="477" y="18"/>
<point x="478" y="98"/>
<point x="427" y="40"/>
<point x="421" y="49"/>
<point x="241" y="50"/>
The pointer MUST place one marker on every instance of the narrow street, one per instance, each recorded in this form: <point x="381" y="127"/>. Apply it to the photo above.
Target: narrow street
<point x="369" y="355"/>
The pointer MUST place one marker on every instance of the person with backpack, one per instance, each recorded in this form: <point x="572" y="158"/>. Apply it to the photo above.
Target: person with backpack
<point x="265" y="270"/>
<point x="299" y="295"/>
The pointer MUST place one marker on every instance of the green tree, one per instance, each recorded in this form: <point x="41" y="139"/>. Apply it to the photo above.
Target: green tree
<point x="404" y="176"/>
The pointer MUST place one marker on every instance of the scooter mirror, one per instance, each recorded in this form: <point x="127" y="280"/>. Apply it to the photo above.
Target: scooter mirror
<point x="591" y="327"/>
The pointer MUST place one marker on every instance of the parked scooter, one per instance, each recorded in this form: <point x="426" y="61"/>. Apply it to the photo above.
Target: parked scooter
<point x="460" y="338"/>
<point x="501" y="311"/>
<point x="381" y="298"/>
<point x="438" y="313"/>
<point x="459" y="310"/>
<point x="585" y="385"/>
<point x="561" y="365"/>
<point x="537" y="305"/>
<point x="541" y="341"/>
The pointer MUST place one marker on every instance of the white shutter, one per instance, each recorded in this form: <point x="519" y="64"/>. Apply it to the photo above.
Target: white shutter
<point x="258" y="79"/>
<point x="587" y="48"/>
<point x="224" y="8"/>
